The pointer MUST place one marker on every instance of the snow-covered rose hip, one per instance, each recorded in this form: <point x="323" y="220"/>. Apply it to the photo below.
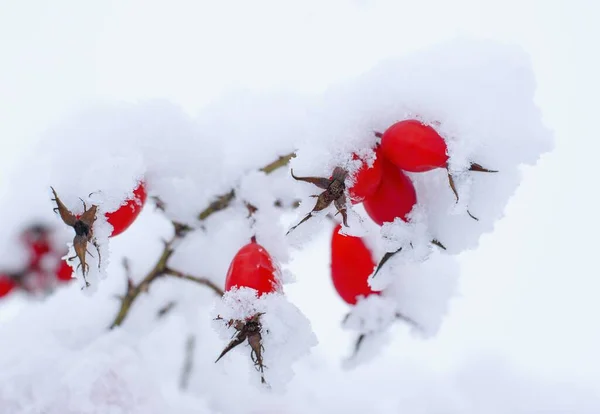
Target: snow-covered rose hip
<point x="351" y="265"/>
<point x="395" y="196"/>
<point x="253" y="267"/>
<point x="7" y="284"/>
<point x="414" y="146"/>
<point x="122" y="218"/>
<point x="366" y="179"/>
<point x="83" y="224"/>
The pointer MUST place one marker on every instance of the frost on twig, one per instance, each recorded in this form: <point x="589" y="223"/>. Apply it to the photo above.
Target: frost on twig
<point x="160" y="269"/>
<point x="222" y="201"/>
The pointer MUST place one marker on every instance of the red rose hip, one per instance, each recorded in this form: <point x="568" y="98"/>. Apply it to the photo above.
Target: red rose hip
<point x="414" y="146"/>
<point x="366" y="180"/>
<point x="395" y="196"/>
<point x="253" y="267"/>
<point x="122" y="218"/>
<point x="64" y="272"/>
<point x="7" y="284"/>
<point x="351" y="266"/>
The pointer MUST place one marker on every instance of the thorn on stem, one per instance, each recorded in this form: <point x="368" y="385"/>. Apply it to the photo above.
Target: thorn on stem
<point x="478" y="168"/>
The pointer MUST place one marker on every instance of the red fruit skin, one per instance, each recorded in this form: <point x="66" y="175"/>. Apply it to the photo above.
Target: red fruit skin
<point x="64" y="272"/>
<point x="414" y="146"/>
<point x="38" y="244"/>
<point x="253" y="267"/>
<point x="366" y="179"/>
<point x="6" y="285"/>
<point x="122" y="218"/>
<point x="395" y="196"/>
<point x="351" y="266"/>
<point x="37" y="253"/>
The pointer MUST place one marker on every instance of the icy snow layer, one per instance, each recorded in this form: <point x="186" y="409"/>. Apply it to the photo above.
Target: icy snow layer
<point x="57" y="357"/>
<point x="286" y="333"/>
<point x="479" y="96"/>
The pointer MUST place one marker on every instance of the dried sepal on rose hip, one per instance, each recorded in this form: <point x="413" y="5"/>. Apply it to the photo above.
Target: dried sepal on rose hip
<point x="364" y="182"/>
<point x="249" y="329"/>
<point x="334" y="192"/>
<point x="253" y="268"/>
<point x="84" y="232"/>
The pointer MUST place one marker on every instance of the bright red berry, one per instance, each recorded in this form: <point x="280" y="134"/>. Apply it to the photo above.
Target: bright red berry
<point x="414" y="146"/>
<point x="351" y="266"/>
<point x="395" y="196"/>
<point x="7" y="284"/>
<point x="366" y="179"/>
<point x="122" y="218"/>
<point x="37" y="240"/>
<point x="253" y="267"/>
<point x="64" y="272"/>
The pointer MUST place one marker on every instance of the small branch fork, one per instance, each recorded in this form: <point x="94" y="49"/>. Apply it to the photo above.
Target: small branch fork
<point x="200" y="280"/>
<point x="224" y="200"/>
<point x="161" y="268"/>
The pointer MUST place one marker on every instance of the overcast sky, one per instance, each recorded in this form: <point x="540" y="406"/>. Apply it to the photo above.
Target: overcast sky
<point x="532" y="287"/>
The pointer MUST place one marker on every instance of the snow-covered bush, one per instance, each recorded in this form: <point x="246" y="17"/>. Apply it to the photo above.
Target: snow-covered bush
<point x="140" y="331"/>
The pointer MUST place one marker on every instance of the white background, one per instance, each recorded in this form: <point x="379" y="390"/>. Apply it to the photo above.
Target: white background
<point x="529" y="292"/>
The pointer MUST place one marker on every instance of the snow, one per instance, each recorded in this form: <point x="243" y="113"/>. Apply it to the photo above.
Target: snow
<point x="58" y="355"/>
<point x="286" y="333"/>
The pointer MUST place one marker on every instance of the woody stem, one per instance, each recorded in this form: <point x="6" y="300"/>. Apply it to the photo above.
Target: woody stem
<point x="223" y="201"/>
<point x="133" y="291"/>
<point x="200" y="280"/>
<point x="161" y="267"/>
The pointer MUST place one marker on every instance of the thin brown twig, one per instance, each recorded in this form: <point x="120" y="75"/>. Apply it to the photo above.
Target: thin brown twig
<point x="160" y="269"/>
<point x="278" y="163"/>
<point x="188" y="363"/>
<point x="180" y="230"/>
<point x="133" y="290"/>
<point x="222" y="201"/>
<point x="388" y="255"/>
<point x="164" y="310"/>
<point x="200" y="280"/>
